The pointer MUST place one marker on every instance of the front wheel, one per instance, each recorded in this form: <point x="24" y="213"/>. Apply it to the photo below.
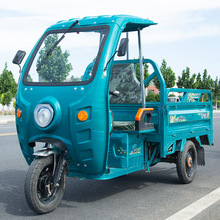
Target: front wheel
<point x="187" y="163"/>
<point x="40" y="194"/>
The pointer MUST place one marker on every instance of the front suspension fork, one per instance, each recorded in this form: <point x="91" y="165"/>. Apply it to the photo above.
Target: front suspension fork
<point x="59" y="168"/>
<point x="59" y="165"/>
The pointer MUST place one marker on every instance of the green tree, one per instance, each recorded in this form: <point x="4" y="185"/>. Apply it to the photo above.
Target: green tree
<point x="29" y="79"/>
<point x="7" y="82"/>
<point x="8" y="87"/>
<point x="6" y="99"/>
<point x="216" y="90"/>
<point x="199" y="81"/>
<point x="204" y="82"/>
<point x="157" y="97"/>
<point x="14" y="103"/>
<point x="56" y="68"/>
<point x="186" y="81"/>
<point x="150" y="97"/>
<point x="207" y="82"/>
<point x="74" y="79"/>
<point x="168" y="75"/>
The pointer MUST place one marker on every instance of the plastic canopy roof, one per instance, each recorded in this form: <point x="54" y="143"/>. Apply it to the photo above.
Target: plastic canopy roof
<point x="126" y="22"/>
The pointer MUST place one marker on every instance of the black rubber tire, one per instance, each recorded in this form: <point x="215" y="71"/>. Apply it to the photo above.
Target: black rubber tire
<point x="38" y="175"/>
<point x="187" y="163"/>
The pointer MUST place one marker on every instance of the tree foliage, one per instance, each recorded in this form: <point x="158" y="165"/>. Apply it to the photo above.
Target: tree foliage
<point x="199" y="81"/>
<point x="152" y="97"/>
<point x="7" y="82"/>
<point x="168" y="75"/>
<point x="6" y="98"/>
<point x="216" y="90"/>
<point x="8" y="87"/>
<point x="187" y="81"/>
<point x="207" y="82"/>
<point x="56" y="68"/>
<point x="195" y="81"/>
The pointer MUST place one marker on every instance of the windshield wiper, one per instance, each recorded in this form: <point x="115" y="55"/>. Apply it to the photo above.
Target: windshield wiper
<point x="56" y="43"/>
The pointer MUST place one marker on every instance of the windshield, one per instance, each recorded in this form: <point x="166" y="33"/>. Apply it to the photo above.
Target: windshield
<point x="73" y="60"/>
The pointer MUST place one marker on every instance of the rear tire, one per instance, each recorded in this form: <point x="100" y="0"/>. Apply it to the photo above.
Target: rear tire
<point x="187" y="163"/>
<point x="41" y="196"/>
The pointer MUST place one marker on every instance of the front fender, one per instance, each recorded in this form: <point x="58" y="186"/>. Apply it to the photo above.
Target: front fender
<point x="45" y="151"/>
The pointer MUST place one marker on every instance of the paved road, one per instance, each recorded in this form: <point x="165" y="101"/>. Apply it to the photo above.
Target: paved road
<point x="141" y="195"/>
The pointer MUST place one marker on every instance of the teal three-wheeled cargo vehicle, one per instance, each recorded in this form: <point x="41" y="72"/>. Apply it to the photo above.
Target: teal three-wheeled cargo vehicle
<point x="80" y="96"/>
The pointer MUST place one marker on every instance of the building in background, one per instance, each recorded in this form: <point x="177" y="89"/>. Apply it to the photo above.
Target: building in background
<point x="152" y="88"/>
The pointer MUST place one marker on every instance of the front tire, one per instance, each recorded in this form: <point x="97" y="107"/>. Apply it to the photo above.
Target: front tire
<point x="41" y="196"/>
<point x="187" y="163"/>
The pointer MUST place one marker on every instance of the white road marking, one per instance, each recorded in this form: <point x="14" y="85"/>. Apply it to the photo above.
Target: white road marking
<point x="8" y="134"/>
<point x="197" y="207"/>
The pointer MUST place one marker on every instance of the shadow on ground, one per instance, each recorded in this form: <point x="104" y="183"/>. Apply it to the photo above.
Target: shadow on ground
<point x="13" y="199"/>
<point x="94" y="190"/>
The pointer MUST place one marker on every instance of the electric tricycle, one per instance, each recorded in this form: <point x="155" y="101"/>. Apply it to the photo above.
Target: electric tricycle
<point x="79" y="95"/>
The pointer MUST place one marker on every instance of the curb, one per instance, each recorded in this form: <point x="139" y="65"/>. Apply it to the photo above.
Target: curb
<point x="6" y="119"/>
<point x="216" y="111"/>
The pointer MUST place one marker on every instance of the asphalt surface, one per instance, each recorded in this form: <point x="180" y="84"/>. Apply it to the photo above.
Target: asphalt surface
<point x="142" y="195"/>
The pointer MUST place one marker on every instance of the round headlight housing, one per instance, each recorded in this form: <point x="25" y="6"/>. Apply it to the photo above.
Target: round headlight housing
<point x="43" y="115"/>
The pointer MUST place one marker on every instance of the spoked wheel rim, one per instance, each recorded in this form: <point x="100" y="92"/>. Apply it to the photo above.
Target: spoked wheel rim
<point x="190" y="162"/>
<point x="45" y="190"/>
<point x="40" y="193"/>
<point x="187" y="163"/>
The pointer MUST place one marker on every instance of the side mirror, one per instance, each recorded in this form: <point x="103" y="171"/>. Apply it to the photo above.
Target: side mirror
<point x="123" y="47"/>
<point x="19" y="57"/>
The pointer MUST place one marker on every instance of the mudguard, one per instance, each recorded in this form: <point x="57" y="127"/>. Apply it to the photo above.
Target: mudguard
<point x="45" y="151"/>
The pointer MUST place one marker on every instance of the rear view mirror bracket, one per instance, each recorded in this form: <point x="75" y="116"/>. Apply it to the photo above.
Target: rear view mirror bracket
<point x="122" y="49"/>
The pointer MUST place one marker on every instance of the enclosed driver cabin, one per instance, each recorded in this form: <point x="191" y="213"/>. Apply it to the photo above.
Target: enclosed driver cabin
<point x="80" y="96"/>
<point x="98" y="112"/>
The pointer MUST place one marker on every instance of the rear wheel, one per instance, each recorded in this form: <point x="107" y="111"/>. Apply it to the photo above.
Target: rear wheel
<point x="187" y="163"/>
<point x="40" y="194"/>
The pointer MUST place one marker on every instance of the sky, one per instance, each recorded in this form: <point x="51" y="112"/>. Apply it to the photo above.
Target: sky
<point x="187" y="34"/>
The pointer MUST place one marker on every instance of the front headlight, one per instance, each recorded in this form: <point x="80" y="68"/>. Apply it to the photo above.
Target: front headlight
<point x="43" y="115"/>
